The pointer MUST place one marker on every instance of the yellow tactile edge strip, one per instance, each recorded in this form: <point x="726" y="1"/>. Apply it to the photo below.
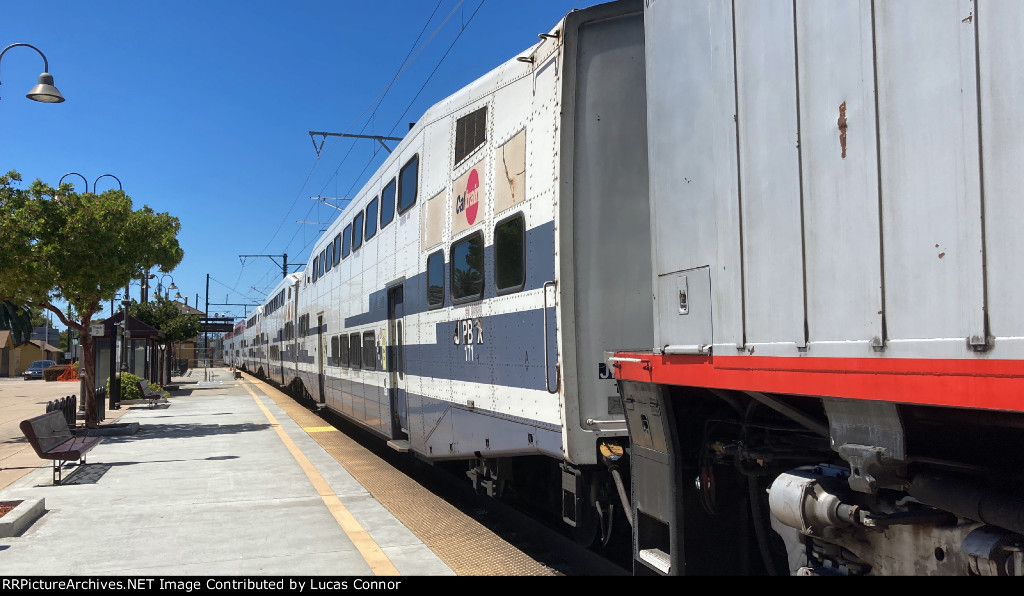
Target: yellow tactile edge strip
<point x="379" y="563"/>
<point x="464" y="544"/>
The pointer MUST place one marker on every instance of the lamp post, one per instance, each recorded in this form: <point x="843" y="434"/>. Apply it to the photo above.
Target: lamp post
<point x="61" y="181"/>
<point x="166" y="295"/>
<point x="44" y="92"/>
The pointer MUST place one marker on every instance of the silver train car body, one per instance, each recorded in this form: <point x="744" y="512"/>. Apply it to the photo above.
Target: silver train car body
<point x="460" y="306"/>
<point x="836" y="382"/>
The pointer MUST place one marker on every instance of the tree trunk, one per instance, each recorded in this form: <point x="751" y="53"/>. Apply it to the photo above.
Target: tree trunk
<point x="87" y="368"/>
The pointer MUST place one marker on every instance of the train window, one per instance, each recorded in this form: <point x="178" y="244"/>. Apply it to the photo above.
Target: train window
<point x="334" y="351"/>
<point x="355" y="350"/>
<point x="387" y="204"/>
<point x="323" y="261"/>
<point x="343" y="354"/>
<point x="330" y="257"/>
<point x="435" y="279"/>
<point x="337" y="253"/>
<point x="346" y="241"/>
<point x="408" y="181"/>
<point x="510" y="254"/>
<point x="357" y="231"/>
<point x="470" y="133"/>
<point x="371" y="218"/>
<point x="316" y="267"/>
<point x="369" y="350"/>
<point x="467" y="259"/>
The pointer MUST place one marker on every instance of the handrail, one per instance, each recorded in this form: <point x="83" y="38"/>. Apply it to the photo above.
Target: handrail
<point x="547" y="380"/>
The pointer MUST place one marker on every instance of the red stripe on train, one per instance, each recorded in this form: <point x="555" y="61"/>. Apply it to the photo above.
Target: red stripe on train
<point x="987" y="384"/>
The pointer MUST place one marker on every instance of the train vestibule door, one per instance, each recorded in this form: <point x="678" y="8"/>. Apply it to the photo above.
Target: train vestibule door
<point x="321" y="355"/>
<point x="395" y="366"/>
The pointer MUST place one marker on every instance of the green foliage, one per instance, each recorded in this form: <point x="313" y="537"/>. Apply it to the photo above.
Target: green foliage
<point x="58" y="245"/>
<point x="16" y="319"/>
<point x="129" y="389"/>
<point x="163" y="314"/>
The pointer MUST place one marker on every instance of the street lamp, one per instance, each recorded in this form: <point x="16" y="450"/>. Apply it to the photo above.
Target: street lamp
<point x="160" y="288"/>
<point x="104" y="176"/>
<point x="45" y="91"/>
<point x="61" y="181"/>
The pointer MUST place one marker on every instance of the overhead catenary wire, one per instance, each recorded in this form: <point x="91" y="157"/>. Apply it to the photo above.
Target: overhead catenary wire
<point x="415" y="50"/>
<point x="373" y="105"/>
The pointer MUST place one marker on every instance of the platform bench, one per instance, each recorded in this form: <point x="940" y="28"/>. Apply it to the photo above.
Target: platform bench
<point x="147" y="393"/>
<point x="51" y="438"/>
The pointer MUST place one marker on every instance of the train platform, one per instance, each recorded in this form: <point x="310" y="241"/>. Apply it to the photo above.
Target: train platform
<point x="228" y="477"/>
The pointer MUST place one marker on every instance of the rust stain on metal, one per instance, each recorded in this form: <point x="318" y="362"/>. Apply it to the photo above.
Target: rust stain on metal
<point x="942" y="254"/>
<point x="843" y="125"/>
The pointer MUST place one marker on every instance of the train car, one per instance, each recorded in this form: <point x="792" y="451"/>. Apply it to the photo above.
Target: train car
<point x="232" y="343"/>
<point x="836" y="381"/>
<point x="252" y="344"/>
<point x="460" y="306"/>
<point x="279" y="332"/>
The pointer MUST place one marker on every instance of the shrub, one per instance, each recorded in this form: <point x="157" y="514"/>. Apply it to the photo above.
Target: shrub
<point x="51" y="373"/>
<point x="129" y="389"/>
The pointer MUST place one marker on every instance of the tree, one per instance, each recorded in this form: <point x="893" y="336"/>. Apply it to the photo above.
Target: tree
<point x="17" y="319"/>
<point x="58" y="245"/>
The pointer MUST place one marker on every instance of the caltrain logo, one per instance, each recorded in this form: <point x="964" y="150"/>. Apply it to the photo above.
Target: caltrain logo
<point x="469" y="201"/>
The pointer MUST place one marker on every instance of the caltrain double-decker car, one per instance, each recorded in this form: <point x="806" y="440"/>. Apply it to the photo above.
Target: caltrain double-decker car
<point x="836" y="381"/>
<point x="460" y="306"/>
<point x="232" y="342"/>
<point x="251" y="345"/>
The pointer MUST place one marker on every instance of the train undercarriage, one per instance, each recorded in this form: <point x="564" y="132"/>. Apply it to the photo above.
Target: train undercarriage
<point x="754" y="484"/>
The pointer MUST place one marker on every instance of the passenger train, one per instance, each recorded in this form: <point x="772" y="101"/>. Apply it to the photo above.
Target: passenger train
<point x="739" y="277"/>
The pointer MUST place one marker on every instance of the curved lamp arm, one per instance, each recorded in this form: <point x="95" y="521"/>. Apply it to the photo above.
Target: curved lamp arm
<point x="74" y="174"/>
<point x="45" y="91"/>
<point x="112" y="176"/>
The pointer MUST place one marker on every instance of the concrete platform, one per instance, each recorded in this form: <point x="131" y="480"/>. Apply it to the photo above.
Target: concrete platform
<point x="220" y="482"/>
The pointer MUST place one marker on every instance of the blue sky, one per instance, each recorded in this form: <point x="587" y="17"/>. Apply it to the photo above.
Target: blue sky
<point x="203" y="109"/>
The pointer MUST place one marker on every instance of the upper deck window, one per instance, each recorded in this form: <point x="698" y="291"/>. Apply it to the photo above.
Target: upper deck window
<point x="371" y="218"/>
<point x="408" y="182"/>
<point x="387" y="204"/>
<point x="357" y="231"/>
<point x="510" y="254"/>
<point x="346" y="241"/>
<point x="470" y="133"/>
<point x="468" y="268"/>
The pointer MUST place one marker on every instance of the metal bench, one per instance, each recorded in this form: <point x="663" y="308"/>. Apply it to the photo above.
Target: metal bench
<point x="51" y="438"/>
<point x="147" y="393"/>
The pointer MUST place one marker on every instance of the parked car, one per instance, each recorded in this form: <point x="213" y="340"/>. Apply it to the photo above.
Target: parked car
<point x="35" y="370"/>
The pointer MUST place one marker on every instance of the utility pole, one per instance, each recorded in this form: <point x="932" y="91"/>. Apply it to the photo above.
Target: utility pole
<point x="206" y="336"/>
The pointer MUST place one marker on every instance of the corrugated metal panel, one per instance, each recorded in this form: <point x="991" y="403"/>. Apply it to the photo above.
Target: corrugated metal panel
<point x="769" y="172"/>
<point x="1001" y="48"/>
<point x="929" y="165"/>
<point x="839" y="167"/>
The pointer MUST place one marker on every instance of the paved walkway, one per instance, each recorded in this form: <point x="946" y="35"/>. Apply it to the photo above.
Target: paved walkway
<point x="219" y="481"/>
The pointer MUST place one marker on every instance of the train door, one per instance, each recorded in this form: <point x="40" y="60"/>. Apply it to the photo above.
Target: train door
<point x="321" y="351"/>
<point x="395" y="364"/>
<point x="281" y="353"/>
